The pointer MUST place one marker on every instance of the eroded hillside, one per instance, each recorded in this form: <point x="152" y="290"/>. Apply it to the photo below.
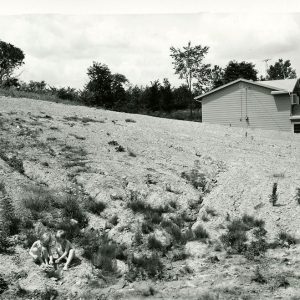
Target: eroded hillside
<point x="159" y="192"/>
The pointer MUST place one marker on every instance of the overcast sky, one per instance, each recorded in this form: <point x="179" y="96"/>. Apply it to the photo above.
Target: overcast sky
<point x="61" y="39"/>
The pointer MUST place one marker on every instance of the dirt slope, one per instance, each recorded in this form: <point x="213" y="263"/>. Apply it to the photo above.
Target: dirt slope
<point x="241" y="169"/>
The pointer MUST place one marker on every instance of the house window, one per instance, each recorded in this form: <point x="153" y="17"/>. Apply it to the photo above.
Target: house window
<point x="297" y="128"/>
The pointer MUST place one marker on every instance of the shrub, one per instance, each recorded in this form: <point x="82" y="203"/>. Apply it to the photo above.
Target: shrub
<point x="3" y="285"/>
<point x="274" y="195"/>
<point x="93" y="206"/>
<point x="72" y="210"/>
<point x="99" y="249"/>
<point x="10" y="223"/>
<point x="236" y="238"/>
<point x="200" y="233"/>
<point x="30" y="236"/>
<point x="5" y="244"/>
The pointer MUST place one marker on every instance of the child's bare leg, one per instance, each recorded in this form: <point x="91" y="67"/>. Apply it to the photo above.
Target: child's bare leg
<point x="69" y="259"/>
<point x="45" y="256"/>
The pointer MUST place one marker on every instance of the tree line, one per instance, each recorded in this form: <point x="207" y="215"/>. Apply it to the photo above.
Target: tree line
<point x="114" y="91"/>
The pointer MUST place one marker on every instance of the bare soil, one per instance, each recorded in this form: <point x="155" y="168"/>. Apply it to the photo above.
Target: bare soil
<point x="240" y="166"/>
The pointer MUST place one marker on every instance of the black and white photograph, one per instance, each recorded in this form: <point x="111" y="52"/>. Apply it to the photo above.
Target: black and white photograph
<point x="149" y="149"/>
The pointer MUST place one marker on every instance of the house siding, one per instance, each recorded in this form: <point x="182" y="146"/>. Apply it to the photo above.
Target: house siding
<point x="232" y="105"/>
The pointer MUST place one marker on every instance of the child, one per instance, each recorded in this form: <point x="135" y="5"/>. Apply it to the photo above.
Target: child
<point x="41" y="250"/>
<point x="64" y="249"/>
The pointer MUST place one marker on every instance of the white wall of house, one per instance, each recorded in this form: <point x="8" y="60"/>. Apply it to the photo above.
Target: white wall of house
<point x="247" y="105"/>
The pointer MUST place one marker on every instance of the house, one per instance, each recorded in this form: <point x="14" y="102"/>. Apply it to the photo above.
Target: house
<point x="254" y="104"/>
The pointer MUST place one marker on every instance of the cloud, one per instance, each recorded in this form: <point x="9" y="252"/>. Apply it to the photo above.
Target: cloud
<point x="60" y="48"/>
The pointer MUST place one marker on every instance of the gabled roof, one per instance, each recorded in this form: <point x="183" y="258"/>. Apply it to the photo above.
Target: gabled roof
<point x="285" y="85"/>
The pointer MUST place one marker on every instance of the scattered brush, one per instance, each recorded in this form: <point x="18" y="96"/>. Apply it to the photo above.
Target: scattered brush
<point x="274" y="196"/>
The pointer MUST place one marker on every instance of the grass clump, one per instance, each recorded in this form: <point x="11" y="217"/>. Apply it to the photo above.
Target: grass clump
<point x="93" y="206"/>
<point x="274" y="196"/>
<point x="200" y="233"/>
<point x="286" y="239"/>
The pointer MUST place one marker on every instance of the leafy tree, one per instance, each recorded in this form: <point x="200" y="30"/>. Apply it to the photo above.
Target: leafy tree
<point x="100" y="84"/>
<point x="166" y="96"/>
<point x="217" y="77"/>
<point x="181" y="96"/>
<point x="118" y="91"/>
<point x="11" y="58"/>
<point x="104" y="88"/>
<point x="151" y="96"/>
<point x="281" y="70"/>
<point x="188" y="64"/>
<point x="235" y="70"/>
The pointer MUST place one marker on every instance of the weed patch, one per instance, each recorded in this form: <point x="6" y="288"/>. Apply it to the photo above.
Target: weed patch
<point x="274" y="196"/>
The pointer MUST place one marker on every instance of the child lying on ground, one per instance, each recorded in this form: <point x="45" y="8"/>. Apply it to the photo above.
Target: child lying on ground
<point x="41" y="250"/>
<point x="64" y="249"/>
